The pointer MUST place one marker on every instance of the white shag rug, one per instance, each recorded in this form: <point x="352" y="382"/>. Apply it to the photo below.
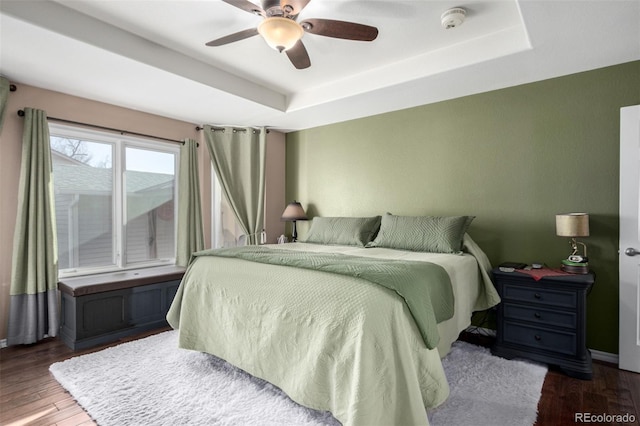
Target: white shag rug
<point x="153" y="382"/>
<point x="487" y="390"/>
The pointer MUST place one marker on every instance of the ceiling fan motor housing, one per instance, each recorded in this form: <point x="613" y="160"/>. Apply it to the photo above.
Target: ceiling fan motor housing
<point x="453" y="17"/>
<point x="274" y="8"/>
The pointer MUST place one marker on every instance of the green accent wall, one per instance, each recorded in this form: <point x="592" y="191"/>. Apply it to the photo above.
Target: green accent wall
<point x="512" y="157"/>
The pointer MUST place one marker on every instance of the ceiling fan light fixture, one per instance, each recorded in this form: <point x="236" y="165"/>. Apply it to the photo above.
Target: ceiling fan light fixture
<point x="280" y="33"/>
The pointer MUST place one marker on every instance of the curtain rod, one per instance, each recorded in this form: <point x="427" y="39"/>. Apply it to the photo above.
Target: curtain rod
<point x="222" y="129"/>
<point x="111" y="129"/>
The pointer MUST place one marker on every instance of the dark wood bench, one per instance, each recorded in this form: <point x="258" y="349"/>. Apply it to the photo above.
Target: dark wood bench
<point x="102" y="308"/>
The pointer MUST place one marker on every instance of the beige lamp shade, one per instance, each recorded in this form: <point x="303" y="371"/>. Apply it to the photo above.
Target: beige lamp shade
<point x="293" y="212"/>
<point x="572" y="225"/>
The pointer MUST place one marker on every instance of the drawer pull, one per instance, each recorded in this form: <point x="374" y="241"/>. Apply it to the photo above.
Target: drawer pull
<point x="537" y="315"/>
<point x="537" y="296"/>
<point x="537" y="337"/>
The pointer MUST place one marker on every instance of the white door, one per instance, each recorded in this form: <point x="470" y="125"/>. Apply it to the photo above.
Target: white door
<point x="629" y="358"/>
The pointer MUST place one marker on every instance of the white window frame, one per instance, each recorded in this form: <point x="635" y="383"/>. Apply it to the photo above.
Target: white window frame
<point x="119" y="143"/>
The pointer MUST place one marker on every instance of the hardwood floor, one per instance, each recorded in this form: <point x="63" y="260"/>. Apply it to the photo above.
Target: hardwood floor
<point x="29" y="395"/>
<point x="611" y="391"/>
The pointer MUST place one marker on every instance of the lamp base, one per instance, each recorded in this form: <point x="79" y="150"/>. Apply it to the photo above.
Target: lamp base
<point x="575" y="267"/>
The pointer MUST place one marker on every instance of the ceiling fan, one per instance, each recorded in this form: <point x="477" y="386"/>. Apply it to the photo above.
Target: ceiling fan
<point x="282" y="32"/>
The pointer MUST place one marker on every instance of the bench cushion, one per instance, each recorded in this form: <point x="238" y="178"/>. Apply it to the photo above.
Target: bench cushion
<point x="99" y="283"/>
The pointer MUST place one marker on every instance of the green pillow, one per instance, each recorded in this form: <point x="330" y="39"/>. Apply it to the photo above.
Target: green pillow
<point x="434" y="234"/>
<point x="347" y="231"/>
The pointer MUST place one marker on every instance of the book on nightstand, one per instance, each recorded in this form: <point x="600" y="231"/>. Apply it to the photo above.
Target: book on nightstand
<point x="514" y="265"/>
<point x="575" y="267"/>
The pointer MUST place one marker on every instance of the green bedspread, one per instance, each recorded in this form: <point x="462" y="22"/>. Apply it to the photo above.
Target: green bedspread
<point x="330" y="341"/>
<point x="425" y="287"/>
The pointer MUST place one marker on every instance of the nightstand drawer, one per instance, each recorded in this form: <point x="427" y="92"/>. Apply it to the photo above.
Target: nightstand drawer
<point x="564" y="299"/>
<point x="536" y="315"/>
<point x="540" y="338"/>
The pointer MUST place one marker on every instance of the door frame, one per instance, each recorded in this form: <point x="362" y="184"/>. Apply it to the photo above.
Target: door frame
<point x="629" y="266"/>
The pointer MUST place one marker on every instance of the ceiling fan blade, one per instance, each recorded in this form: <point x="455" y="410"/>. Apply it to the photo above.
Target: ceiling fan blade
<point x="340" y="29"/>
<point x="298" y="56"/>
<point x="247" y="6"/>
<point x="240" y="35"/>
<point x="293" y="7"/>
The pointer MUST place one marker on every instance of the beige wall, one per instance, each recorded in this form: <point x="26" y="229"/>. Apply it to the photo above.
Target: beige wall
<point x="78" y="109"/>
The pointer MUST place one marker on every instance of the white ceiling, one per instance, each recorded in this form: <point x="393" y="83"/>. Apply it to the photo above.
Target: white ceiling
<point x="151" y="55"/>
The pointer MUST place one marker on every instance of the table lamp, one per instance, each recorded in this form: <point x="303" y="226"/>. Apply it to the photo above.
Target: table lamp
<point x="574" y="225"/>
<point x="292" y="213"/>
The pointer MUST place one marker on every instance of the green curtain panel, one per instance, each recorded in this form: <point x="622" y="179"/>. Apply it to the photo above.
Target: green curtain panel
<point x="33" y="309"/>
<point x="5" y="87"/>
<point x="238" y="157"/>
<point x="190" y="234"/>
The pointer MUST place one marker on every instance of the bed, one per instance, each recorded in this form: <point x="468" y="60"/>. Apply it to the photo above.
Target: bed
<point x="338" y="338"/>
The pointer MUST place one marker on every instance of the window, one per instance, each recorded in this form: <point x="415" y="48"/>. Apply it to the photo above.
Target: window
<point x="115" y="200"/>
<point x="226" y="232"/>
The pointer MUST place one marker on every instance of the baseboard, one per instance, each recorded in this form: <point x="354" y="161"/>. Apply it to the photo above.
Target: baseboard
<point x="604" y="356"/>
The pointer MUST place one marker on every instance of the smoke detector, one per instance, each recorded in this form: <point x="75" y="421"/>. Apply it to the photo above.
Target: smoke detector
<point x="453" y="17"/>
